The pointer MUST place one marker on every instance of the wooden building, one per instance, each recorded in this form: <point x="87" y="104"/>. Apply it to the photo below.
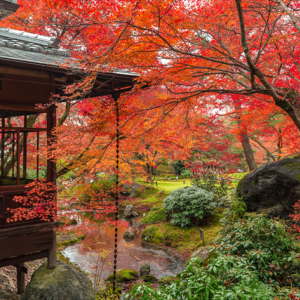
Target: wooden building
<point x="29" y="75"/>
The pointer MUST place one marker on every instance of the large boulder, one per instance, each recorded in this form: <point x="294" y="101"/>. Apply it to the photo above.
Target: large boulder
<point x="272" y="188"/>
<point x="61" y="283"/>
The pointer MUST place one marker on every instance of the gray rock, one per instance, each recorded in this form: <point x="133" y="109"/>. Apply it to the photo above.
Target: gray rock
<point x="202" y="253"/>
<point x="272" y="188"/>
<point x="131" y="190"/>
<point x="62" y="283"/>
<point x="7" y="294"/>
<point x="128" y="211"/>
<point x="128" y="236"/>
<point x="145" y="269"/>
<point x="5" y="281"/>
<point x="134" y="214"/>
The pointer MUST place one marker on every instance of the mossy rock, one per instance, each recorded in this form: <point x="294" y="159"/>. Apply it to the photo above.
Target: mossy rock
<point x="149" y="278"/>
<point x="167" y="280"/>
<point x="151" y="234"/>
<point x="155" y="216"/>
<point x="273" y="188"/>
<point x="123" y="275"/>
<point x="63" y="282"/>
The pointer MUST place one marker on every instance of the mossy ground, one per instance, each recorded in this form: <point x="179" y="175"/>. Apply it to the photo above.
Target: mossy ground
<point x="184" y="240"/>
<point x="62" y="245"/>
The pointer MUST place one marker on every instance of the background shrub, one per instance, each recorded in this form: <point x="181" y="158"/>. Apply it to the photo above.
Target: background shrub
<point x="214" y="181"/>
<point x="189" y="205"/>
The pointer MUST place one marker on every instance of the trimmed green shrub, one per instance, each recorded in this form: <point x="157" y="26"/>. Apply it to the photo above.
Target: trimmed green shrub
<point x="189" y="205"/>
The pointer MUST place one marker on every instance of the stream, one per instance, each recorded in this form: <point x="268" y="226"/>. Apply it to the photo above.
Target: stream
<point x="130" y="255"/>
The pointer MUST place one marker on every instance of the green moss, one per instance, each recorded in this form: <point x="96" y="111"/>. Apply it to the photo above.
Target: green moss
<point x="155" y="216"/>
<point x="167" y="280"/>
<point x="149" y="278"/>
<point x="62" y="245"/>
<point x="298" y="177"/>
<point x="108" y="293"/>
<point x="123" y="275"/>
<point x="185" y="240"/>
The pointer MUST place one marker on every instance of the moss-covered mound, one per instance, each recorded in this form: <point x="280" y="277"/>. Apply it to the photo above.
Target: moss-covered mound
<point x="155" y="216"/>
<point x="149" y="278"/>
<point x="123" y="275"/>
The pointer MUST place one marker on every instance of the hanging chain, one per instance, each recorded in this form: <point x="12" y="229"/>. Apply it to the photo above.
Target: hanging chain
<point x="116" y="97"/>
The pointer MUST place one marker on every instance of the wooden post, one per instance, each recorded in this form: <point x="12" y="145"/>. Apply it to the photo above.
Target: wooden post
<point x="20" y="279"/>
<point x="2" y="148"/>
<point x="13" y="155"/>
<point x="52" y="260"/>
<point x="25" y="149"/>
<point x="51" y="123"/>
<point x="18" y="157"/>
<point x="38" y="156"/>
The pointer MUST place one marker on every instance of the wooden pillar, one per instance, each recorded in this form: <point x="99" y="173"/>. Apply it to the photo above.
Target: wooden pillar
<point x="25" y="149"/>
<point x="20" y="278"/>
<point x="18" y="157"/>
<point x="51" y="123"/>
<point x="2" y="148"/>
<point x="52" y="260"/>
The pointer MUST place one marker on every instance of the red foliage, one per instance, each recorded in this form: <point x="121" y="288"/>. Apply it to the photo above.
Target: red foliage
<point x="39" y="204"/>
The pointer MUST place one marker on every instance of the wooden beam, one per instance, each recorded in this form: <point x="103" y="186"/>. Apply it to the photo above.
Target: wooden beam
<point x="21" y="129"/>
<point x="34" y="82"/>
<point x="26" y="244"/>
<point x="21" y="230"/>
<point x="23" y="258"/>
<point x="24" y="72"/>
<point x="7" y="105"/>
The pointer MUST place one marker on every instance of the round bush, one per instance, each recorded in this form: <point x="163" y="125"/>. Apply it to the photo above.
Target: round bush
<point x="189" y="205"/>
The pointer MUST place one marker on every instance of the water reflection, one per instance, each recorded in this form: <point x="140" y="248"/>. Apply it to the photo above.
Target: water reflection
<point x="130" y="256"/>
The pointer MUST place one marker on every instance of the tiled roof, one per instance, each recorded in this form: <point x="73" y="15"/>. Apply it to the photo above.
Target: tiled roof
<point x="31" y="48"/>
<point x="8" y="7"/>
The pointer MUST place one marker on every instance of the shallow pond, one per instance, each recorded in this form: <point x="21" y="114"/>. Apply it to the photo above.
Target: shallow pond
<point x="131" y="255"/>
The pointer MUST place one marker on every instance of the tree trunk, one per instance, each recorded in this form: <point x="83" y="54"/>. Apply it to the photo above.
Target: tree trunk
<point x="248" y="152"/>
<point x="245" y="140"/>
